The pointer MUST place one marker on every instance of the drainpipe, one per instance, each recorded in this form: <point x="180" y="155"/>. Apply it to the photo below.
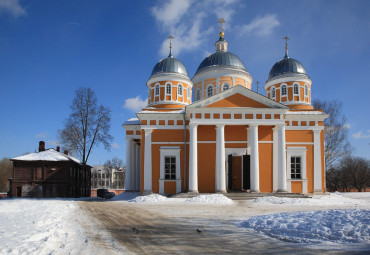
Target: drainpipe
<point x="184" y="148"/>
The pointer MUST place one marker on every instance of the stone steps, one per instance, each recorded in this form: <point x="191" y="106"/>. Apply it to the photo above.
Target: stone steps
<point x="243" y="195"/>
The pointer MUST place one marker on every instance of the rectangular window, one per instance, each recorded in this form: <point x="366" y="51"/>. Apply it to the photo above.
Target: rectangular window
<point x="170" y="168"/>
<point x="295" y="167"/>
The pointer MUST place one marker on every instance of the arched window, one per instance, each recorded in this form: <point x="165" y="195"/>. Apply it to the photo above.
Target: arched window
<point x="306" y="90"/>
<point x="168" y="89"/>
<point x="179" y="89"/>
<point x="209" y="91"/>
<point x="283" y="90"/>
<point x="198" y="94"/>
<point x="225" y="87"/>
<point x="295" y="89"/>
<point x="156" y="90"/>
<point x="188" y="92"/>
<point x="273" y="93"/>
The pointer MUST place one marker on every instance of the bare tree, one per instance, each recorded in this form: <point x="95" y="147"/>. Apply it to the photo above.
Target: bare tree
<point x="336" y="133"/>
<point x="6" y="171"/>
<point x="88" y="125"/>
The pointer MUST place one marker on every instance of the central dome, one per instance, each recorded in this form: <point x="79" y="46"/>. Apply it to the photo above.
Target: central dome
<point x="222" y="58"/>
<point x="287" y="65"/>
<point x="170" y="65"/>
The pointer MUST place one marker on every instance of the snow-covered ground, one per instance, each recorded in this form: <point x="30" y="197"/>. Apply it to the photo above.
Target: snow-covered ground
<point x="57" y="226"/>
<point x="35" y="226"/>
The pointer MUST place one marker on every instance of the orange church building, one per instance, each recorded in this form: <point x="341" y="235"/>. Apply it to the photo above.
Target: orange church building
<point x="212" y="133"/>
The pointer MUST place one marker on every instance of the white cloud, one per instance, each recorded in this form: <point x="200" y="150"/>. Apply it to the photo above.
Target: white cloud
<point x="53" y="143"/>
<point x="171" y="12"/>
<point x="261" y="26"/>
<point x="12" y="7"/>
<point x="360" y="135"/>
<point x="347" y="126"/>
<point x="115" y="145"/>
<point x="42" y="135"/>
<point x="185" y="21"/>
<point x="135" y="104"/>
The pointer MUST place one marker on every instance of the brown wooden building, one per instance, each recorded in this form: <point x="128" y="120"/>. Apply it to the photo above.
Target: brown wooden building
<point x="50" y="173"/>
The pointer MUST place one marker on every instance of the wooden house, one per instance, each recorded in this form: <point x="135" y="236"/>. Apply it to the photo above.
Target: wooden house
<point x="50" y="173"/>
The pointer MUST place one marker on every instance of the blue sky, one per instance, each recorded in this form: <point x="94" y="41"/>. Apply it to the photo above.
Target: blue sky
<point x="48" y="49"/>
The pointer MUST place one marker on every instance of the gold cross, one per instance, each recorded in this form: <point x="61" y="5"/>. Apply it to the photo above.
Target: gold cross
<point x="170" y="37"/>
<point x="221" y="21"/>
<point x="286" y="38"/>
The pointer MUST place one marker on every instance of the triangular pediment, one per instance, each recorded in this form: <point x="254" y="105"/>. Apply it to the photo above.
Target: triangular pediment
<point x="237" y="96"/>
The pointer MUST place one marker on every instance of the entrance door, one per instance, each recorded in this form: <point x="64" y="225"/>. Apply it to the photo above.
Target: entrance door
<point x="236" y="173"/>
<point x="246" y="172"/>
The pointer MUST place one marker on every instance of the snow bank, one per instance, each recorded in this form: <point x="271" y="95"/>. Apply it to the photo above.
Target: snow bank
<point x="210" y="199"/>
<point x="154" y="198"/>
<point x="328" y="226"/>
<point x="148" y="199"/>
<point x="35" y="226"/>
<point x="332" y="199"/>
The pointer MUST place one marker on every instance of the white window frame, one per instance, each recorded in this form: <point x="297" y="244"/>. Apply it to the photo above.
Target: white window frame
<point x="306" y="90"/>
<point x="157" y="88"/>
<point x="297" y="152"/>
<point x="210" y="86"/>
<point x="188" y="92"/>
<point x="282" y="89"/>
<point x="179" y="89"/>
<point x="198" y="94"/>
<point x="169" y="151"/>
<point x="225" y="85"/>
<point x="168" y="85"/>
<point x="273" y="92"/>
<point x="296" y="86"/>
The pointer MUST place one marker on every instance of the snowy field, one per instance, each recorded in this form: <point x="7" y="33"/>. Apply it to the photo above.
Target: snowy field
<point x="339" y="221"/>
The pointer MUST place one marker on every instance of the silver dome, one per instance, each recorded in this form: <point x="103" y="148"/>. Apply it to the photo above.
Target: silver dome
<point x="287" y="65"/>
<point x="170" y="65"/>
<point x="221" y="58"/>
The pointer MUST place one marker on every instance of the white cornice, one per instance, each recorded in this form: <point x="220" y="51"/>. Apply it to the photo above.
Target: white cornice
<point x="169" y="77"/>
<point x="287" y="79"/>
<point x="219" y="71"/>
<point x="238" y="90"/>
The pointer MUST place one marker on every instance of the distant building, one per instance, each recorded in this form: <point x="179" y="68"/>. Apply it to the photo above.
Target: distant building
<point x="107" y="178"/>
<point x="49" y="173"/>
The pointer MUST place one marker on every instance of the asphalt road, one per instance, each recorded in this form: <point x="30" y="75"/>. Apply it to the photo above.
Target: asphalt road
<point x="172" y="229"/>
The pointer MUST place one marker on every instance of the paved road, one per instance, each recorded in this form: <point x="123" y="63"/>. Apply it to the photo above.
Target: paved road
<point x="166" y="230"/>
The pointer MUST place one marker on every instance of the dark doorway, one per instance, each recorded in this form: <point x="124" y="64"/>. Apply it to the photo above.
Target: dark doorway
<point x="246" y="172"/>
<point x="235" y="172"/>
<point x="19" y="191"/>
<point x="230" y="167"/>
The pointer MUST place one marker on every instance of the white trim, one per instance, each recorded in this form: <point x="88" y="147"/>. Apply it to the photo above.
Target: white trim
<point x="297" y="152"/>
<point x="165" y="89"/>
<point x="169" y="77"/>
<point x="169" y="151"/>
<point x="317" y="169"/>
<point x="210" y="86"/>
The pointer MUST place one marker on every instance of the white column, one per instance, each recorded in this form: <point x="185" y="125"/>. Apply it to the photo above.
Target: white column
<point x="255" y="180"/>
<point x="138" y="168"/>
<point x="148" y="162"/>
<point x="220" y="159"/>
<point x="133" y="166"/>
<point x="128" y="186"/>
<point x="193" y="159"/>
<point x="282" y="159"/>
<point x="275" y="160"/>
<point x="317" y="161"/>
